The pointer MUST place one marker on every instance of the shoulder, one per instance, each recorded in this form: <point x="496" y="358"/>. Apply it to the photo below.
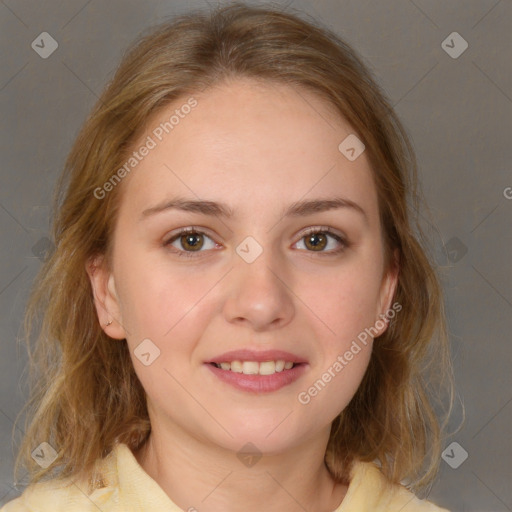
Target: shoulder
<point x="67" y="495"/>
<point x="117" y="483"/>
<point x="51" y="497"/>
<point x="369" y="490"/>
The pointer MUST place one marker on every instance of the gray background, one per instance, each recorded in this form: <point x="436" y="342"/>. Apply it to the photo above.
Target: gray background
<point x="457" y="111"/>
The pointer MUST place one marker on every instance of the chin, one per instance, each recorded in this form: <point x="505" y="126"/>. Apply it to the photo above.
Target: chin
<point x="269" y="434"/>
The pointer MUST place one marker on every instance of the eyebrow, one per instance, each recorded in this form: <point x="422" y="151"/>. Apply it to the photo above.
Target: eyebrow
<point x="222" y="210"/>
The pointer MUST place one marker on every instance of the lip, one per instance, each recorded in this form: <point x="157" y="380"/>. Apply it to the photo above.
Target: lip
<point x="258" y="383"/>
<point x="257" y="356"/>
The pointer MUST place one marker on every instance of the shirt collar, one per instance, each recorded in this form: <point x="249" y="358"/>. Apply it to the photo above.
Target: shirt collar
<point x="136" y="491"/>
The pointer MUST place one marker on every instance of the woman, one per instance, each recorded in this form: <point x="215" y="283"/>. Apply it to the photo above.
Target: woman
<point x="238" y="311"/>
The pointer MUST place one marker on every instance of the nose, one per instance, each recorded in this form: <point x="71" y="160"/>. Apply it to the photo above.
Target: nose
<point x="259" y="294"/>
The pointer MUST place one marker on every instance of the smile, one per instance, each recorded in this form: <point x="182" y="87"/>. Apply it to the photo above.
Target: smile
<point x="256" y="368"/>
<point x="254" y="377"/>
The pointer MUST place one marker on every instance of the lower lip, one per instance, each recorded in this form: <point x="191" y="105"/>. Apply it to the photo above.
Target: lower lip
<point x="259" y="383"/>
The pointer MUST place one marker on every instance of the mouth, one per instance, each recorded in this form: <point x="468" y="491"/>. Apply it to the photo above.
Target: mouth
<point x="255" y="367"/>
<point x="257" y="372"/>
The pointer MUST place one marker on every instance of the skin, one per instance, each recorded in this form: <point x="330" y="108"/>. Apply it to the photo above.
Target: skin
<point x="257" y="147"/>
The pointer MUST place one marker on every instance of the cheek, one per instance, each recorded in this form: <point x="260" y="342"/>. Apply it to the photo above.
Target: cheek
<point x="336" y="384"/>
<point x="157" y="300"/>
<point x="346" y="301"/>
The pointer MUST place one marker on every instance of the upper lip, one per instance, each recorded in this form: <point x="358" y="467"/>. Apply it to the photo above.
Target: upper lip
<point x="258" y="356"/>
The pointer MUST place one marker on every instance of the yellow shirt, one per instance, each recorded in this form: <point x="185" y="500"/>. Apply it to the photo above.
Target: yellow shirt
<point x="128" y="488"/>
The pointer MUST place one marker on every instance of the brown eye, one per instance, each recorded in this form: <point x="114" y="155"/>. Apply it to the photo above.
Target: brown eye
<point x="189" y="241"/>
<point x="319" y="240"/>
<point x="316" y="241"/>
<point x="192" y="241"/>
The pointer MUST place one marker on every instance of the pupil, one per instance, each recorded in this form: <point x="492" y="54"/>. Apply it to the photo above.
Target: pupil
<point x="320" y="243"/>
<point x="192" y="241"/>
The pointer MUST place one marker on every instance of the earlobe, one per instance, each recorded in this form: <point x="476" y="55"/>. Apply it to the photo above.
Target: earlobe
<point x="105" y="298"/>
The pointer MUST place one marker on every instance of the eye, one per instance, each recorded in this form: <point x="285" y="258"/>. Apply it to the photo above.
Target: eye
<point x="317" y="239"/>
<point x="188" y="241"/>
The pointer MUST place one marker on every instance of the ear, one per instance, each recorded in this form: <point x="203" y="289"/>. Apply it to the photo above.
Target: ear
<point x="387" y="290"/>
<point x="105" y="297"/>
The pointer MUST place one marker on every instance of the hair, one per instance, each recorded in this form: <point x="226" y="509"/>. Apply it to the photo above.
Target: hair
<point x="85" y="395"/>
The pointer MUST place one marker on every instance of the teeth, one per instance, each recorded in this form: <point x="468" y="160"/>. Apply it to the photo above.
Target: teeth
<point x="235" y="366"/>
<point x="267" y="368"/>
<point x="255" y="368"/>
<point x="250" y="368"/>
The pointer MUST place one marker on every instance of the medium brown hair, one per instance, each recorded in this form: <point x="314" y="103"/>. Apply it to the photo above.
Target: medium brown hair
<point x="86" y="395"/>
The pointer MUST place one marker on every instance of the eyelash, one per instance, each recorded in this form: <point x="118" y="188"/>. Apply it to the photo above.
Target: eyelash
<point x="309" y="231"/>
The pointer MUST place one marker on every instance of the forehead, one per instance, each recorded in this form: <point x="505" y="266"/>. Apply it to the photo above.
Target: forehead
<point x="247" y="143"/>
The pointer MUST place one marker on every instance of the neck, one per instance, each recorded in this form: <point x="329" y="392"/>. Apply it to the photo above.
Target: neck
<point x="199" y="476"/>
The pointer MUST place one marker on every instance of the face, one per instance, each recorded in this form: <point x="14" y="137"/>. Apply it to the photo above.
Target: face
<point x="273" y="275"/>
